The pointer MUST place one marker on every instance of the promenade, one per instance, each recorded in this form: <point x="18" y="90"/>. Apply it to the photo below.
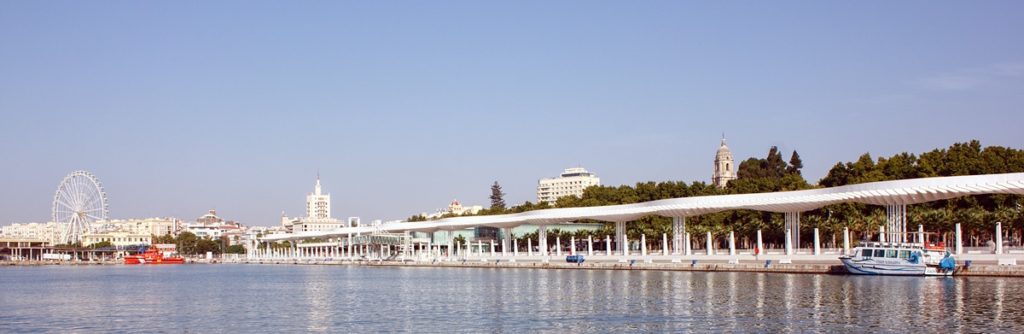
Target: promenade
<point x="973" y="263"/>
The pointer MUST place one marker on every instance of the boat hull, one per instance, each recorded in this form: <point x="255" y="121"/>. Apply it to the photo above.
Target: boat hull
<point x="128" y="260"/>
<point x="871" y="267"/>
<point x="153" y="257"/>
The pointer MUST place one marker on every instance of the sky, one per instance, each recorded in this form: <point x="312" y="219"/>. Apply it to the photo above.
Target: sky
<point x="401" y="106"/>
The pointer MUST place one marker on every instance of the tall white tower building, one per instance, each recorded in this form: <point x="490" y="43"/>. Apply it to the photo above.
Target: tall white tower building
<point x="318" y="214"/>
<point x="725" y="169"/>
<point x="318" y="204"/>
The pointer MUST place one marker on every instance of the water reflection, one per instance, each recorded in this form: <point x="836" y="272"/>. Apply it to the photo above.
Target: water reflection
<point x="228" y="298"/>
<point x="316" y="294"/>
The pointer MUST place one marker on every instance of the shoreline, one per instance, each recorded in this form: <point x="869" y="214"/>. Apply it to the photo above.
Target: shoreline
<point x="978" y="270"/>
<point x="796" y="267"/>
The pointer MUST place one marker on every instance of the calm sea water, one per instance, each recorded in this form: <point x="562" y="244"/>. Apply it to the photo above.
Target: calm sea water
<point x="286" y="298"/>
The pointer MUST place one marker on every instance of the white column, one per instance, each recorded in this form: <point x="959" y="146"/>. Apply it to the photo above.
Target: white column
<point x="792" y="224"/>
<point x="678" y="230"/>
<point x="430" y="246"/>
<point x="529" y="247"/>
<point x="542" y="236"/>
<point x="920" y="234"/>
<point x="732" y="243"/>
<point x="572" y="245"/>
<point x="620" y="238"/>
<point x="506" y="239"/>
<point x="608" y="245"/>
<point x="789" y="243"/>
<point x="760" y="245"/>
<point x="881" y="234"/>
<point x="590" y="245"/>
<point x="515" y="247"/>
<point x="451" y="244"/>
<point x="710" y="249"/>
<point x="558" y="246"/>
<point x="687" y="245"/>
<point x="664" y="244"/>
<point x="846" y="240"/>
<point x="504" y="248"/>
<point x="625" y="245"/>
<point x="999" y="238"/>
<point x="643" y="245"/>
<point x="959" y="241"/>
<point x="817" y="245"/>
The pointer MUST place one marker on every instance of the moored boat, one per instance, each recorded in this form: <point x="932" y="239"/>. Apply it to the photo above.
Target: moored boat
<point x="901" y="259"/>
<point x="152" y="255"/>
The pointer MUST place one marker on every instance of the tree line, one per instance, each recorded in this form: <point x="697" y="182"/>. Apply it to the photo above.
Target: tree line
<point x="976" y="214"/>
<point x="187" y="243"/>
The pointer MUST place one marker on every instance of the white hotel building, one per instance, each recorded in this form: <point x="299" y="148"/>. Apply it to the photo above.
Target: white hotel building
<point x="570" y="183"/>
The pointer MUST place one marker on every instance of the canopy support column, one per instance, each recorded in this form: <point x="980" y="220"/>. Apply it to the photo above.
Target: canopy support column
<point x="678" y="230"/>
<point x="542" y="239"/>
<point x="506" y="237"/>
<point x="620" y="238"/>
<point x="896" y="223"/>
<point x="793" y="228"/>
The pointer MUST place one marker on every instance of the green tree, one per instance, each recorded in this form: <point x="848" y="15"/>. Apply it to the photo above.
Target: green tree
<point x="101" y="244"/>
<point x="207" y="245"/>
<point x="235" y="249"/>
<point x="186" y="243"/>
<point x="164" y="239"/>
<point x="497" y="197"/>
<point x="795" y="164"/>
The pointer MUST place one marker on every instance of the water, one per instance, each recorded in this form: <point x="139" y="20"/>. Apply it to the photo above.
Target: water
<point x="287" y="298"/>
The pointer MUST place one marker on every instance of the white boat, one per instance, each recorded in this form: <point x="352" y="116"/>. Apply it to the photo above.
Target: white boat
<point x="903" y="259"/>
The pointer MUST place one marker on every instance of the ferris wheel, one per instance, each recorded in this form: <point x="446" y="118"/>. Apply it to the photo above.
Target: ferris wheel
<point x="79" y="201"/>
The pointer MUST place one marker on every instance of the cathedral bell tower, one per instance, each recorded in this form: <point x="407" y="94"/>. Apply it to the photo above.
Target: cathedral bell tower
<point x="725" y="169"/>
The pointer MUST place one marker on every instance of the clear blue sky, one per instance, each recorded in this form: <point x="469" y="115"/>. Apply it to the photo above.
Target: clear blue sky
<point x="184" y="106"/>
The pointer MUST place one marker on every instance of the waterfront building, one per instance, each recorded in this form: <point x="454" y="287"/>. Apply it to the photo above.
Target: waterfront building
<point x="204" y="231"/>
<point x="48" y="232"/>
<point x="318" y="214"/>
<point x="117" y="238"/>
<point x="318" y="204"/>
<point x="210" y="218"/>
<point x="725" y="169"/>
<point x="151" y="226"/>
<point x="571" y="182"/>
<point x="455" y="208"/>
<point x="214" y="227"/>
<point x="234" y="233"/>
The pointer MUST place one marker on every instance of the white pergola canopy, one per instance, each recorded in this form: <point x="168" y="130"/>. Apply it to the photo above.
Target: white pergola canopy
<point x="898" y="192"/>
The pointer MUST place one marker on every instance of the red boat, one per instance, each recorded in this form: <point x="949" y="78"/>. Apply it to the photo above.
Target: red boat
<point x="153" y="256"/>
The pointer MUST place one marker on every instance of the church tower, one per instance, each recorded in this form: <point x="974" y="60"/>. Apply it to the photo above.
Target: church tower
<point x="725" y="169"/>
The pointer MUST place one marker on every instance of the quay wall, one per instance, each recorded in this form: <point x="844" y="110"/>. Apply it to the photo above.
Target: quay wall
<point x="789" y="268"/>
